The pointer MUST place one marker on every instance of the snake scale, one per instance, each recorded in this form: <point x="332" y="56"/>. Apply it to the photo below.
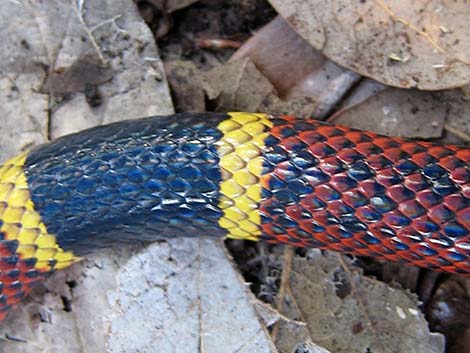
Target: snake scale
<point x="247" y="176"/>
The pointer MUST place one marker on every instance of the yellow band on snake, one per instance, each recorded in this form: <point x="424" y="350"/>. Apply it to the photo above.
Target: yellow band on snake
<point x="241" y="166"/>
<point x="22" y="223"/>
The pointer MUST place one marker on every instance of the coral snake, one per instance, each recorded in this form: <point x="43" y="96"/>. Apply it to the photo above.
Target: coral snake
<point x="248" y="176"/>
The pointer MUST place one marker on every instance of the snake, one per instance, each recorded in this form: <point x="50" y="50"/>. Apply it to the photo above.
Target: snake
<point x="253" y="176"/>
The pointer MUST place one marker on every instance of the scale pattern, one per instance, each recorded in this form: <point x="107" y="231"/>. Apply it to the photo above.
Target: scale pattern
<point x="28" y="253"/>
<point x="335" y="188"/>
<point x="241" y="165"/>
<point x="243" y="175"/>
<point x="130" y="181"/>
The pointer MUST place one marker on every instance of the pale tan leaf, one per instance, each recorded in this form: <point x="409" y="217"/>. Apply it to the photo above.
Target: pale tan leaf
<point x="180" y="296"/>
<point x="295" y="68"/>
<point x="347" y="312"/>
<point x="398" y="112"/>
<point x="188" y="95"/>
<point x="240" y="86"/>
<point x="399" y="43"/>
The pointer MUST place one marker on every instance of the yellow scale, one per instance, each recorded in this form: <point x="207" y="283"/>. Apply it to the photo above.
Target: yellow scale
<point x="21" y="222"/>
<point x="241" y="165"/>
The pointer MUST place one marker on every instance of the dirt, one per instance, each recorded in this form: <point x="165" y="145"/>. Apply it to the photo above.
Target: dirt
<point x="212" y="19"/>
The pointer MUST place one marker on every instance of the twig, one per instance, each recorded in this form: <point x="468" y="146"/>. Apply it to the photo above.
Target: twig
<point x="214" y="43"/>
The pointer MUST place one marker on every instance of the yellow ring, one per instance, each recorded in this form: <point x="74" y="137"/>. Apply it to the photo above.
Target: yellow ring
<point x="241" y="165"/>
<point x="21" y="222"/>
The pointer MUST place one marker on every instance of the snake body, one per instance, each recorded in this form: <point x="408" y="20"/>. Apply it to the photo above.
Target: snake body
<point x="241" y="175"/>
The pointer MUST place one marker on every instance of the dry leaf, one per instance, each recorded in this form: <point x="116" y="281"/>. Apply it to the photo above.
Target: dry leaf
<point x="400" y="43"/>
<point x="365" y="89"/>
<point x="180" y="296"/>
<point x="113" y="34"/>
<point x="295" y="68"/>
<point x="398" y="112"/>
<point x="458" y="116"/>
<point x="188" y="95"/>
<point x="346" y="312"/>
<point x="239" y="86"/>
<point x="77" y="77"/>
<point x="287" y="60"/>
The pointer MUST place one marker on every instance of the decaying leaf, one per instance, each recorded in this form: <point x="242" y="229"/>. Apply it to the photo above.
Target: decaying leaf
<point x="458" y="117"/>
<point x="85" y="44"/>
<point x="287" y="60"/>
<point x="347" y="312"/>
<point x="20" y="80"/>
<point x="362" y="91"/>
<point x="188" y="95"/>
<point x="295" y="68"/>
<point x="239" y="86"/>
<point x="180" y="296"/>
<point x="398" y="112"/>
<point x="400" y="43"/>
<point x="77" y="77"/>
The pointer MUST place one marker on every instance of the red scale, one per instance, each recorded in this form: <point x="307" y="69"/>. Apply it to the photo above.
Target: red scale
<point x="396" y="214"/>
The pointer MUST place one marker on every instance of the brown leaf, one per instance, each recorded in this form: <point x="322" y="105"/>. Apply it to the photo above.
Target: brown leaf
<point x="77" y="76"/>
<point x="458" y="121"/>
<point x="365" y="89"/>
<point x="285" y="58"/>
<point x="400" y="43"/>
<point x="188" y="95"/>
<point x="397" y="112"/>
<point x="295" y="68"/>
<point x="347" y="312"/>
<point x="240" y="86"/>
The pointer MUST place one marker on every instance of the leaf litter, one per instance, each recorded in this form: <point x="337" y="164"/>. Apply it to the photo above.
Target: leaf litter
<point x="399" y="43"/>
<point x="345" y="311"/>
<point x="320" y="87"/>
